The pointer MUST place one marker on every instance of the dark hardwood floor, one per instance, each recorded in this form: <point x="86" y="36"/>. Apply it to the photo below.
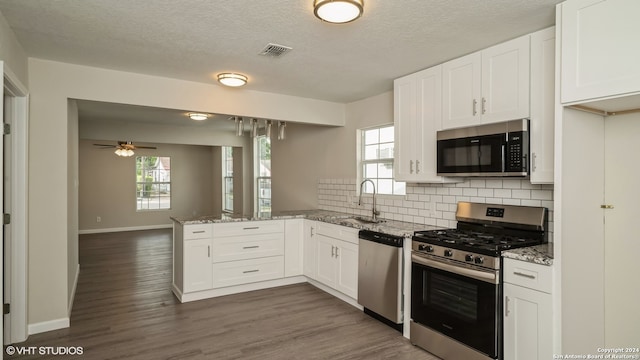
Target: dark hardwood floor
<point x="124" y="309"/>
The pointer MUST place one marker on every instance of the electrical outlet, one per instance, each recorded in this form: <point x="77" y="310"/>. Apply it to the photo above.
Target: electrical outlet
<point x="98" y="219"/>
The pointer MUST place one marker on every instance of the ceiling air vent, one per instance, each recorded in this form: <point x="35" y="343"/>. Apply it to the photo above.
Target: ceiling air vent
<point x="274" y="50"/>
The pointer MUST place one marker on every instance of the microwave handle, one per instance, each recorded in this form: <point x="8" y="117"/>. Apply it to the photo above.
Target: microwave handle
<point x="504" y="159"/>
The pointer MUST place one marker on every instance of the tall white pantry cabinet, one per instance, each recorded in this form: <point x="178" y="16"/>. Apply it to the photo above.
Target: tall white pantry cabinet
<point x="597" y="174"/>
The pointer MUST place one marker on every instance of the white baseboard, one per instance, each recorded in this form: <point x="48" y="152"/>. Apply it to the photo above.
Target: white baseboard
<point x="129" y="228"/>
<point x="206" y="294"/>
<point x="349" y="300"/>
<point x="50" y="325"/>
<point x="73" y="291"/>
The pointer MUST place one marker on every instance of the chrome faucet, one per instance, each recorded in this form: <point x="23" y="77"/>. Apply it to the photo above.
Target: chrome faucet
<point x="374" y="212"/>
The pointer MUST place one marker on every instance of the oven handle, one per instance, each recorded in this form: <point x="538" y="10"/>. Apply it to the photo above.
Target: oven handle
<point x="490" y="277"/>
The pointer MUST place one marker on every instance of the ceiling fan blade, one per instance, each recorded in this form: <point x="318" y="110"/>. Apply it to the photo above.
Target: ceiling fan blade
<point x="105" y="145"/>
<point x="145" y="147"/>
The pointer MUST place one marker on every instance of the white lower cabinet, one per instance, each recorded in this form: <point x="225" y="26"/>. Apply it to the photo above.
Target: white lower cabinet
<point x="528" y="311"/>
<point x="247" y="252"/>
<point x="337" y="258"/>
<point x="247" y="271"/>
<point x="293" y="247"/>
<point x="197" y="269"/>
<point x="310" y="249"/>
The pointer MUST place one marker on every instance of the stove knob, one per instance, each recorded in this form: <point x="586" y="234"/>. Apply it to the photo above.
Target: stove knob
<point x="479" y="260"/>
<point x="422" y="247"/>
<point x="448" y="253"/>
<point x="429" y="248"/>
<point x="468" y="257"/>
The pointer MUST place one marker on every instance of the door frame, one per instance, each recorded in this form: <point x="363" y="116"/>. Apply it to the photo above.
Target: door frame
<point x="18" y="100"/>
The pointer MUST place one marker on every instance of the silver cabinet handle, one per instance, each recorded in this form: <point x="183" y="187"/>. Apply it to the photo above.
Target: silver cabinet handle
<point x="506" y="306"/>
<point x="524" y="275"/>
<point x="333" y="249"/>
<point x="484" y="105"/>
<point x="251" y="247"/>
<point x="312" y="231"/>
<point x="198" y="232"/>
<point x="250" y="271"/>
<point x="337" y="252"/>
<point x="251" y="228"/>
<point x="209" y="251"/>
<point x="410" y="166"/>
<point x="417" y="166"/>
<point x="475" y="105"/>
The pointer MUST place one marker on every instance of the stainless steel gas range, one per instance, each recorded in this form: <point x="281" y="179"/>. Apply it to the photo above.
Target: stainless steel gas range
<point x="456" y="279"/>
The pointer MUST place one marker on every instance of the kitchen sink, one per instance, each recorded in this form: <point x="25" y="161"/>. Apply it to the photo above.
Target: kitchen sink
<point x="358" y="220"/>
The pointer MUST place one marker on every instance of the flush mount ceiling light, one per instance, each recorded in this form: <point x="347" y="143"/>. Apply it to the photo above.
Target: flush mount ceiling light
<point x="198" y="116"/>
<point x="232" y="79"/>
<point x="338" y="11"/>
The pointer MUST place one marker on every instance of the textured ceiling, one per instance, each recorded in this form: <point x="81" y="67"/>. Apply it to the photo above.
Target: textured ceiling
<point x="196" y="39"/>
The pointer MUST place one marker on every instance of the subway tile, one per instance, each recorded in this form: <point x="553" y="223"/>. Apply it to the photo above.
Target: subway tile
<point x="470" y="192"/>
<point x="541" y="194"/>
<point x="455" y="191"/>
<point x="442" y="191"/>
<point x="494" y="201"/>
<point x="529" y="202"/>
<point x="511" y="184"/>
<point x="449" y="199"/>
<point x="485" y="192"/>
<point x="502" y="193"/>
<point x="511" y="201"/>
<point x="494" y="183"/>
<point x="477" y="199"/>
<point x="442" y="207"/>
<point x="464" y="184"/>
<point x="477" y="183"/>
<point x="521" y="194"/>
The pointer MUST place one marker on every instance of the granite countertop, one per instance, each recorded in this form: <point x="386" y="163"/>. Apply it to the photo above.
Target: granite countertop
<point x="391" y="227"/>
<point x="539" y="254"/>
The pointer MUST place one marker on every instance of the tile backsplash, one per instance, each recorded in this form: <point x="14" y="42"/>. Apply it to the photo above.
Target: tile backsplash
<point x="434" y="204"/>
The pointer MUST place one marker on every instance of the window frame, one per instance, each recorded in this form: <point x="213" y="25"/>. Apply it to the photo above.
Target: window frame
<point x="260" y="177"/>
<point x="227" y="159"/>
<point x="389" y="161"/>
<point x="138" y="199"/>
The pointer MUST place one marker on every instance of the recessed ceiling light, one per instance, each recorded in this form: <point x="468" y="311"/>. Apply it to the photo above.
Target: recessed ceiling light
<point x="338" y="11"/>
<point x="198" y="116"/>
<point x="232" y="79"/>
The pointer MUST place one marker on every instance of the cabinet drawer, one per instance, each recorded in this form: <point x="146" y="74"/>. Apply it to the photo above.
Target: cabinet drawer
<point x="231" y="248"/>
<point x="530" y="275"/>
<point x="338" y="232"/>
<point x="199" y="231"/>
<point x="249" y="227"/>
<point x="247" y="271"/>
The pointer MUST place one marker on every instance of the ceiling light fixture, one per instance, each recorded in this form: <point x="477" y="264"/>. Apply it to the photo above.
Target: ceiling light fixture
<point x="124" y="152"/>
<point x="338" y="11"/>
<point x="198" y="116"/>
<point x="232" y="79"/>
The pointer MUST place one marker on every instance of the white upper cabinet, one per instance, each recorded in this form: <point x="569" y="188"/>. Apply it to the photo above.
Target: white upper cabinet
<point x="491" y="85"/>
<point x="543" y="102"/>
<point x="417" y="118"/>
<point x="600" y="49"/>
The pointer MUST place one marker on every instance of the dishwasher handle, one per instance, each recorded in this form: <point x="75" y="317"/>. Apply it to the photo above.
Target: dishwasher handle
<point x="381" y="238"/>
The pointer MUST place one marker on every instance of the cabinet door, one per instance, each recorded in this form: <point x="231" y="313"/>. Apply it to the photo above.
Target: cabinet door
<point x="197" y="265"/>
<point x="461" y="91"/>
<point x="293" y="247"/>
<point x="505" y="81"/>
<point x="406" y="128"/>
<point x="543" y="100"/>
<point x="310" y="249"/>
<point x="326" y="264"/>
<point x="347" y="273"/>
<point x="600" y="55"/>
<point x="527" y="323"/>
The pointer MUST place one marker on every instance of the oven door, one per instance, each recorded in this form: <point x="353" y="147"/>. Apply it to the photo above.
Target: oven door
<point x="459" y="302"/>
<point x="472" y="156"/>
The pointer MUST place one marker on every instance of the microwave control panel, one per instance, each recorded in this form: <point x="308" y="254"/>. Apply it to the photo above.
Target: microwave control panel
<point x="517" y="151"/>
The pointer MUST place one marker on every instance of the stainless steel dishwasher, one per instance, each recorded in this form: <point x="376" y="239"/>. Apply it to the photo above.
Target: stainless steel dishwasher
<point x="380" y="276"/>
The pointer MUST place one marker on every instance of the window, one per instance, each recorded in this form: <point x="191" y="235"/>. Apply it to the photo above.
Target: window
<point x="227" y="178"/>
<point x="153" y="183"/>
<point x="376" y="161"/>
<point x="263" y="170"/>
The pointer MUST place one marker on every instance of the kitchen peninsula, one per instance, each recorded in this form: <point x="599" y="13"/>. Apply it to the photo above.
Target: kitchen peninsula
<point x="227" y="254"/>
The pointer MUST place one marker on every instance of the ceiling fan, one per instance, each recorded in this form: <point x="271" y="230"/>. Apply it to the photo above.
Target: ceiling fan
<point x="124" y="148"/>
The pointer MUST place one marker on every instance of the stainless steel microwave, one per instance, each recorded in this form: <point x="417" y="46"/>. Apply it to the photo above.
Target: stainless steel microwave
<point x="498" y="149"/>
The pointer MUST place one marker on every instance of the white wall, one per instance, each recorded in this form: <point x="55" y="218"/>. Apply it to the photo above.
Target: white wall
<point x="51" y="85"/>
<point x="73" y="261"/>
<point x="310" y="153"/>
<point x="108" y="189"/>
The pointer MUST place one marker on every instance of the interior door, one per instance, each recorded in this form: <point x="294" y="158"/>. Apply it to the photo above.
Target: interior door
<point x="622" y="229"/>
